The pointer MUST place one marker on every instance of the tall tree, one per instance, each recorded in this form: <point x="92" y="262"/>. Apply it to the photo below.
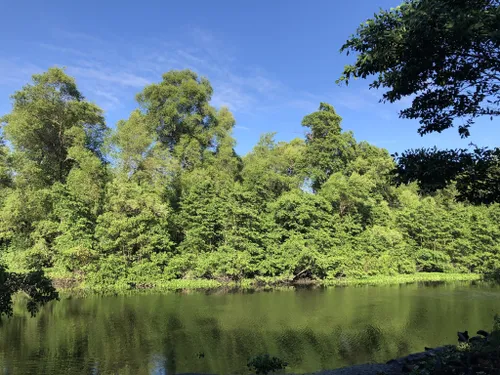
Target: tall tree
<point x="135" y="222"/>
<point x="48" y="118"/>
<point x="179" y="112"/>
<point x="353" y="195"/>
<point x="136" y="218"/>
<point x="57" y="140"/>
<point x="328" y="150"/>
<point x="205" y="198"/>
<point x="443" y="54"/>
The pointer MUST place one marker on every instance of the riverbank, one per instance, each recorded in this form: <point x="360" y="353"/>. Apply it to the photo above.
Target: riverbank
<point x="477" y="355"/>
<point x="404" y="279"/>
<point x="69" y="286"/>
<point x="397" y="366"/>
<point x="436" y="359"/>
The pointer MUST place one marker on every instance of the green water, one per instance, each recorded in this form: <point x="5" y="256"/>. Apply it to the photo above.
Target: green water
<point x="311" y="329"/>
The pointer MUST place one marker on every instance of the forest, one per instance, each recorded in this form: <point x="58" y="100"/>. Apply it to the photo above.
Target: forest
<point x="163" y="195"/>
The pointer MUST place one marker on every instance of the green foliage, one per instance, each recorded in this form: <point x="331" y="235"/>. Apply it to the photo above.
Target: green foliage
<point x="134" y="223"/>
<point x="329" y="150"/>
<point x="442" y="54"/>
<point x="271" y="168"/>
<point x="475" y="173"/>
<point x="351" y="195"/>
<point x="5" y="165"/>
<point x="179" y="115"/>
<point x="49" y="118"/>
<point x="177" y="205"/>
<point x="34" y="284"/>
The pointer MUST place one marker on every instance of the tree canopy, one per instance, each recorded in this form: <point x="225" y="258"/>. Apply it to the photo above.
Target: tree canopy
<point x="38" y="288"/>
<point x="476" y="173"/>
<point x="168" y="198"/>
<point x="442" y="54"/>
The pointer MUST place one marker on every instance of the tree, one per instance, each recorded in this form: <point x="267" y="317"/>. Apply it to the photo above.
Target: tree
<point x="5" y="165"/>
<point x="38" y="288"/>
<point x="353" y="195"/>
<point x="301" y="219"/>
<point x="432" y="169"/>
<point x="375" y="164"/>
<point x="328" y="150"/>
<point x="245" y="237"/>
<point x="133" y="141"/>
<point x="271" y="168"/>
<point x="479" y="183"/>
<point x="134" y="223"/>
<point x="427" y="227"/>
<point x="385" y="251"/>
<point x="57" y="141"/>
<point x="48" y="119"/>
<point x="136" y="219"/>
<point x="443" y="54"/>
<point x="177" y="202"/>
<point x="179" y="113"/>
<point x="476" y="173"/>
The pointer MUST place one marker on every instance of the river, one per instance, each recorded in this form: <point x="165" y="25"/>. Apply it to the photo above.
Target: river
<point x="217" y="332"/>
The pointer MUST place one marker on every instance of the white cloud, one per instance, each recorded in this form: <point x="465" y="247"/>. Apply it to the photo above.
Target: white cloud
<point x="190" y="57"/>
<point x="357" y="101"/>
<point x="258" y="83"/>
<point x="16" y="72"/>
<point x="232" y="97"/>
<point x="364" y="100"/>
<point x="107" y="75"/>
<point x="113" y="71"/>
<point x="108" y="101"/>
<point x="65" y="50"/>
<point x="210" y="44"/>
<point x="77" y="35"/>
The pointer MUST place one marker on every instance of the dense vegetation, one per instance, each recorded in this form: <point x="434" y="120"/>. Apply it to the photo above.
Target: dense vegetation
<point x="164" y="196"/>
<point x="476" y="173"/>
<point x="35" y="285"/>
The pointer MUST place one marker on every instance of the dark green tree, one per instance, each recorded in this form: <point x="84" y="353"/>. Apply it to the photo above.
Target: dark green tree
<point x="34" y="284"/>
<point x="475" y="172"/>
<point x="443" y="54"/>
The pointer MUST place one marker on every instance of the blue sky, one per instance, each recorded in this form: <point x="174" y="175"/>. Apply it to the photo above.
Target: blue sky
<point x="271" y="62"/>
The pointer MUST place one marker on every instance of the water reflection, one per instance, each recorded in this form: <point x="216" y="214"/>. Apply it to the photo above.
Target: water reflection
<point x="217" y="333"/>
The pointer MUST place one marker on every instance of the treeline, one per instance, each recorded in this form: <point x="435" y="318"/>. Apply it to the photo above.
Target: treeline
<point x="164" y="196"/>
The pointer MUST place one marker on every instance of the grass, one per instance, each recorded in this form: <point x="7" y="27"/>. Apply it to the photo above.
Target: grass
<point x="404" y="279"/>
<point x="159" y="286"/>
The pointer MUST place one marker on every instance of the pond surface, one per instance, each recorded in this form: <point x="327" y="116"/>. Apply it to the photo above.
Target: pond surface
<point x="312" y="329"/>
